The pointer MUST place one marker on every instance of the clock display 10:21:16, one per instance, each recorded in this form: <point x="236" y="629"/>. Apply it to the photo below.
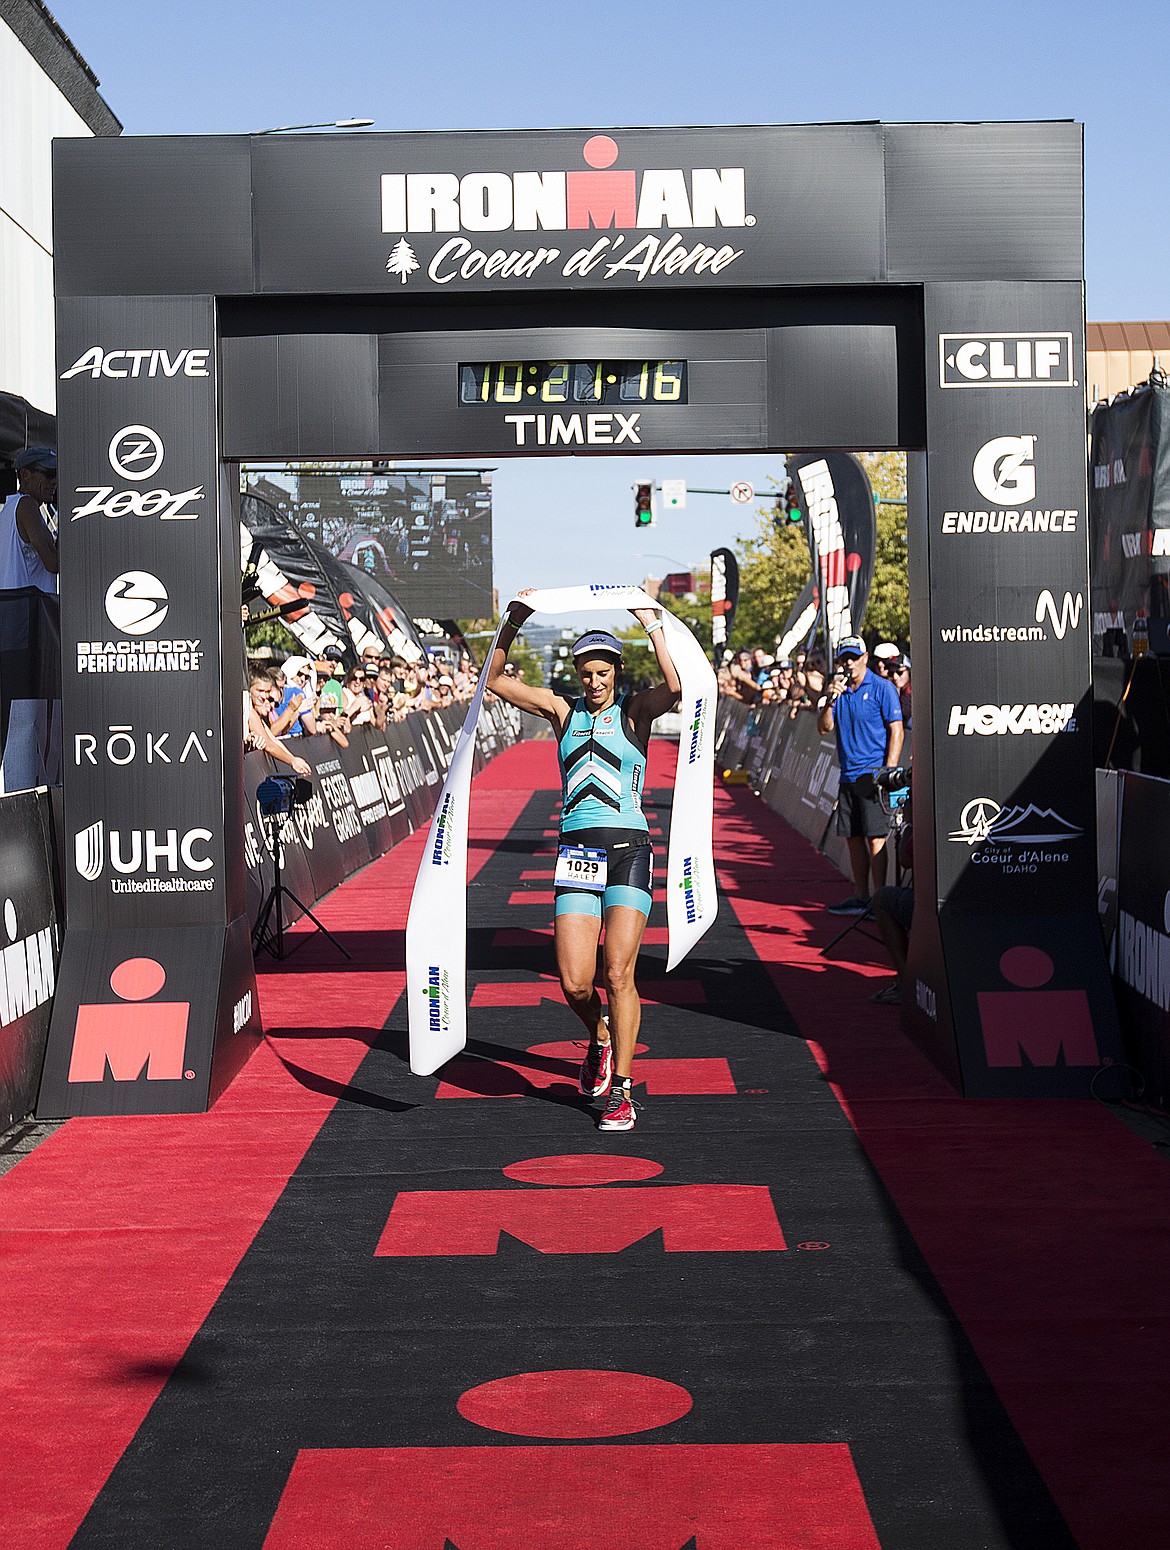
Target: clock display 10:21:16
<point x="574" y="382"/>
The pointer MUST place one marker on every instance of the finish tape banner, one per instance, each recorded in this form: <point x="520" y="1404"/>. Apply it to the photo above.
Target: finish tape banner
<point x="436" y="928"/>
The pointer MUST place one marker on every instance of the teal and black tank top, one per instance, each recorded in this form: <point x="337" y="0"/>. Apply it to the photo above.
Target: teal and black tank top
<point x="603" y="767"/>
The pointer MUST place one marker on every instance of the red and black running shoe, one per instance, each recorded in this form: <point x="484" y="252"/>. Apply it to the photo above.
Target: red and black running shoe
<point x="596" y="1076"/>
<point x="621" y="1110"/>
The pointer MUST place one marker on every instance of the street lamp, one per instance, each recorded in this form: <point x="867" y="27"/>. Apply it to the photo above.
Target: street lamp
<point x="338" y="123"/>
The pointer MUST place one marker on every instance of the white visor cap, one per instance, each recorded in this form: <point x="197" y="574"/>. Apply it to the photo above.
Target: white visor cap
<point x="596" y="642"/>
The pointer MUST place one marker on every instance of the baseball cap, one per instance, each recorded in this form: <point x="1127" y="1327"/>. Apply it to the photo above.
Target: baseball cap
<point x="446" y="679"/>
<point x="36" y="457"/>
<point x="597" y="642"/>
<point x="851" y="646"/>
<point x="886" y="651"/>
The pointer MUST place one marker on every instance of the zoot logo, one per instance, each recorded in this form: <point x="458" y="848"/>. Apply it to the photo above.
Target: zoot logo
<point x="1005" y="360"/>
<point x="136" y="453"/>
<point x="96" y="362"/>
<point x="996" y="720"/>
<point x="136" y="850"/>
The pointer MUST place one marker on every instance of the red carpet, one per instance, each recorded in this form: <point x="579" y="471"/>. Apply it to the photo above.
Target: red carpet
<point x="248" y="1328"/>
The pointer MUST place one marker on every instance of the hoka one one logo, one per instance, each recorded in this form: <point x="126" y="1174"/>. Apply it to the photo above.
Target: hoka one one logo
<point x="689" y="896"/>
<point x="435" y="1011"/>
<point x="696" y="731"/>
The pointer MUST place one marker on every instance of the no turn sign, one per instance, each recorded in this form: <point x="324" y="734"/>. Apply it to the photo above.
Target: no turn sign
<point x="742" y="492"/>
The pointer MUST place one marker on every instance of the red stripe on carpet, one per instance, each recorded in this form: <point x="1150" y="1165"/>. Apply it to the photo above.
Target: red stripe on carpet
<point x="118" y="1235"/>
<point x="1047" y="1224"/>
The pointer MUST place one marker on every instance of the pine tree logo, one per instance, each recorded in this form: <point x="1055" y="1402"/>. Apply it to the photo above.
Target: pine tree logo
<point x="402" y="260"/>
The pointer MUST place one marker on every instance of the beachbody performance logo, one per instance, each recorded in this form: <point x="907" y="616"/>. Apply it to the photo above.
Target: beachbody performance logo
<point x="602" y="198"/>
<point x="438" y="993"/>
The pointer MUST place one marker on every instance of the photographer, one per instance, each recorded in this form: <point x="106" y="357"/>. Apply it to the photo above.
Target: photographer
<point x="864" y="712"/>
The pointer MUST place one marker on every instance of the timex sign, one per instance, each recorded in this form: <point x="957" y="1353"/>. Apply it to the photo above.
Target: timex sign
<point x="1005" y="360"/>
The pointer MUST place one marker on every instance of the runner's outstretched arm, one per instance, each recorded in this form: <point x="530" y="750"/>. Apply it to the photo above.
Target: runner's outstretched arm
<point x="514" y="691"/>
<point x="663" y="697"/>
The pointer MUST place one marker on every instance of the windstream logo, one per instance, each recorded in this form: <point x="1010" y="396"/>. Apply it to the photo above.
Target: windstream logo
<point x="996" y="720"/>
<point x="437" y="991"/>
<point x="1061" y="619"/>
<point x="698" y="721"/>
<point x="444" y="838"/>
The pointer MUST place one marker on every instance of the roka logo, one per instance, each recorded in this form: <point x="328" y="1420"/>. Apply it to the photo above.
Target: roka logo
<point x="1004" y="472"/>
<point x="136" y="602"/>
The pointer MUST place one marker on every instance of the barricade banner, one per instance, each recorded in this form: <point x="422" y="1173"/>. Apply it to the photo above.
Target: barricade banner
<point x="436" y="932"/>
<point x="1141" y="942"/>
<point x="1129" y="518"/>
<point x="28" y="962"/>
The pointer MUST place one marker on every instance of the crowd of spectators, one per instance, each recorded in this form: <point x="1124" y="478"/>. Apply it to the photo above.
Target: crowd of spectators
<point x="299" y="696"/>
<point x="756" y="677"/>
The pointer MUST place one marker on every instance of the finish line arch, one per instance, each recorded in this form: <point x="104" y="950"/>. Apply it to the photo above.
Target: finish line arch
<point x="915" y="286"/>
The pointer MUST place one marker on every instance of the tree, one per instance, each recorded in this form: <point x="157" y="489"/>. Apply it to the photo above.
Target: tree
<point x="774" y="566"/>
<point x="402" y="260"/>
<point x="530" y="662"/>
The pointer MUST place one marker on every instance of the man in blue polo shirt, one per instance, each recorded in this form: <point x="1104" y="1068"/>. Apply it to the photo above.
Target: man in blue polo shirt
<point x="864" y="711"/>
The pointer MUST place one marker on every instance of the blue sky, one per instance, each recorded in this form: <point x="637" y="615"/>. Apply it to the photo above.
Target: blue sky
<point x="219" y="67"/>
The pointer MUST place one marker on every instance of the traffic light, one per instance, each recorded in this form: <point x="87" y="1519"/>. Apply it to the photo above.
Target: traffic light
<point x="788" y="512"/>
<point x="644" y="505"/>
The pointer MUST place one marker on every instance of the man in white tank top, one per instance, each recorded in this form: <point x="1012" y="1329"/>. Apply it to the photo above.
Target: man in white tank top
<point x="28" y="550"/>
<point x="28" y="558"/>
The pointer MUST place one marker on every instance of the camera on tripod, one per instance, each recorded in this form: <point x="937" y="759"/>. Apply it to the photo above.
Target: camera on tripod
<point x="279" y="794"/>
<point x="894" y="777"/>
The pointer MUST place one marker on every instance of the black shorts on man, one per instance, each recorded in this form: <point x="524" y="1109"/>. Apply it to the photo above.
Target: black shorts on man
<point x="858" y="815"/>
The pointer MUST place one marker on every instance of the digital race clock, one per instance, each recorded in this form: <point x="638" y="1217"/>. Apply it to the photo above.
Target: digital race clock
<point x="574" y="382"/>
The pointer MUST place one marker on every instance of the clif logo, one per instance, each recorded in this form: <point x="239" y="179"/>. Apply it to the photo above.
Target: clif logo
<point x="1005" y="360"/>
<point x="603" y="197"/>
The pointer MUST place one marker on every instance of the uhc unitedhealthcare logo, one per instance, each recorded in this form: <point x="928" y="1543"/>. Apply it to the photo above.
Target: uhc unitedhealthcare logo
<point x="690" y="890"/>
<point x="441" y="852"/>
<point x="698" y="715"/>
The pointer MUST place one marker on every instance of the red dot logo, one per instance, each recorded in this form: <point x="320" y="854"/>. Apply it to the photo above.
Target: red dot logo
<point x="137" y="979"/>
<point x="600" y="151"/>
<point x="575" y="1403"/>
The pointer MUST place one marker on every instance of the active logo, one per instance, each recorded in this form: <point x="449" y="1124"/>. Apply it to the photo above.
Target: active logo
<point x="998" y="720"/>
<point x="1004" y="471"/>
<point x="1005" y="360"/>
<point x="132" y="851"/>
<point x="136" y="602"/>
<point x="96" y="362"/>
<point x="1061" y="619"/>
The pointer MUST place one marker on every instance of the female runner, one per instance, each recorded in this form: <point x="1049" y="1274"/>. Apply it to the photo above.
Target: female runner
<point x="605" y="862"/>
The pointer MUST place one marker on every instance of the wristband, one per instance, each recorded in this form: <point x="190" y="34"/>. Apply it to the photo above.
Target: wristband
<point x="650" y="628"/>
